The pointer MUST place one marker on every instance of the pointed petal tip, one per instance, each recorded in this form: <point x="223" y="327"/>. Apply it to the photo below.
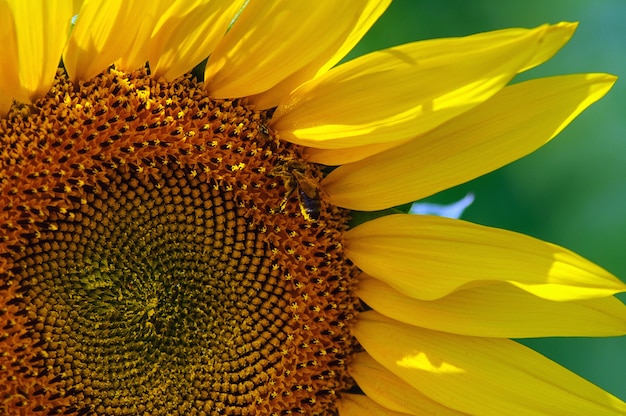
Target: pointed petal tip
<point x="453" y="254"/>
<point x="515" y="122"/>
<point x="565" y="26"/>
<point x="499" y="311"/>
<point x="477" y="375"/>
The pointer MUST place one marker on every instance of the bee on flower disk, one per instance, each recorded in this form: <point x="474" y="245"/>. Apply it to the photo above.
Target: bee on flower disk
<point x="298" y="179"/>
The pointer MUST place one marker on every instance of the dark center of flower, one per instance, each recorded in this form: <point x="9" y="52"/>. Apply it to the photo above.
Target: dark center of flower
<point x="164" y="253"/>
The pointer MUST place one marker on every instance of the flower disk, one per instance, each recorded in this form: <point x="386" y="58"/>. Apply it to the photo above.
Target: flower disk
<point x="154" y="262"/>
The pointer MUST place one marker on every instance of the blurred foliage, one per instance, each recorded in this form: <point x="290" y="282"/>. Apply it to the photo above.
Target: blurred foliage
<point x="572" y="191"/>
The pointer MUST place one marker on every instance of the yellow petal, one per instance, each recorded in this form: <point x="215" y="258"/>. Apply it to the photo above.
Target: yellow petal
<point x="349" y="29"/>
<point x="398" y="93"/>
<point x="555" y="37"/>
<point x="359" y="405"/>
<point x="429" y="257"/>
<point x="5" y="103"/>
<point x="513" y="123"/>
<point x="271" y="41"/>
<point x="186" y="33"/>
<point x="76" y="5"/>
<point x="9" y="70"/>
<point x="480" y="376"/>
<point x="107" y="32"/>
<point x="498" y="310"/>
<point x="336" y="157"/>
<point x="31" y="53"/>
<point x="139" y="32"/>
<point x="388" y="390"/>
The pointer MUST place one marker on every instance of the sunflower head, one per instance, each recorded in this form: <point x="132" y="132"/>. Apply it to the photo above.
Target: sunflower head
<point x="182" y="245"/>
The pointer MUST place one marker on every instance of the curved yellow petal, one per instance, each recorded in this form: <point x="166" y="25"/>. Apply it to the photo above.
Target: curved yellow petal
<point x="349" y="28"/>
<point x="401" y="92"/>
<point x="139" y="33"/>
<point x="271" y="41"/>
<point x="336" y="157"/>
<point x="429" y="257"/>
<point x="480" y="376"/>
<point x="516" y="121"/>
<point x="498" y="310"/>
<point x="359" y="405"/>
<point x="6" y="101"/>
<point x="186" y="33"/>
<point x="388" y="390"/>
<point x="107" y="32"/>
<point x="555" y="37"/>
<point x="34" y="33"/>
<point x="9" y="70"/>
<point x="76" y="5"/>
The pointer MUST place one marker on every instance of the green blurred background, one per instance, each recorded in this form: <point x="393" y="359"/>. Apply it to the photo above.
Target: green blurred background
<point x="573" y="190"/>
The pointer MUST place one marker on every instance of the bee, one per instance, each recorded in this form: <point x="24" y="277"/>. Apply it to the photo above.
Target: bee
<point x="265" y="132"/>
<point x="298" y="179"/>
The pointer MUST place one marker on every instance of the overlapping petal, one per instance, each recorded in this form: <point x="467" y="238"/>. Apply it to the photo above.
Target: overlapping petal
<point x="33" y="33"/>
<point x="186" y="33"/>
<point x="349" y="31"/>
<point x="480" y="376"/>
<point x="498" y="310"/>
<point x="250" y="60"/>
<point x="108" y="32"/>
<point x="359" y="405"/>
<point x="321" y="113"/>
<point x="388" y="390"/>
<point x="429" y="257"/>
<point x="336" y="157"/>
<point x="555" y="38"/>
<point x="9" y="70"/>
<point x="513" y="123"/>
<point x="5" y="103"/>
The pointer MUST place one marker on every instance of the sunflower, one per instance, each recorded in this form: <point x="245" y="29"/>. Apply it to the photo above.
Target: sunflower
<point x="178" y="244"/>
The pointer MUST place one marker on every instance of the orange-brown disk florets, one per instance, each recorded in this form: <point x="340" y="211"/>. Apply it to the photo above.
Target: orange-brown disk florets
<point x="165" y="253"/>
